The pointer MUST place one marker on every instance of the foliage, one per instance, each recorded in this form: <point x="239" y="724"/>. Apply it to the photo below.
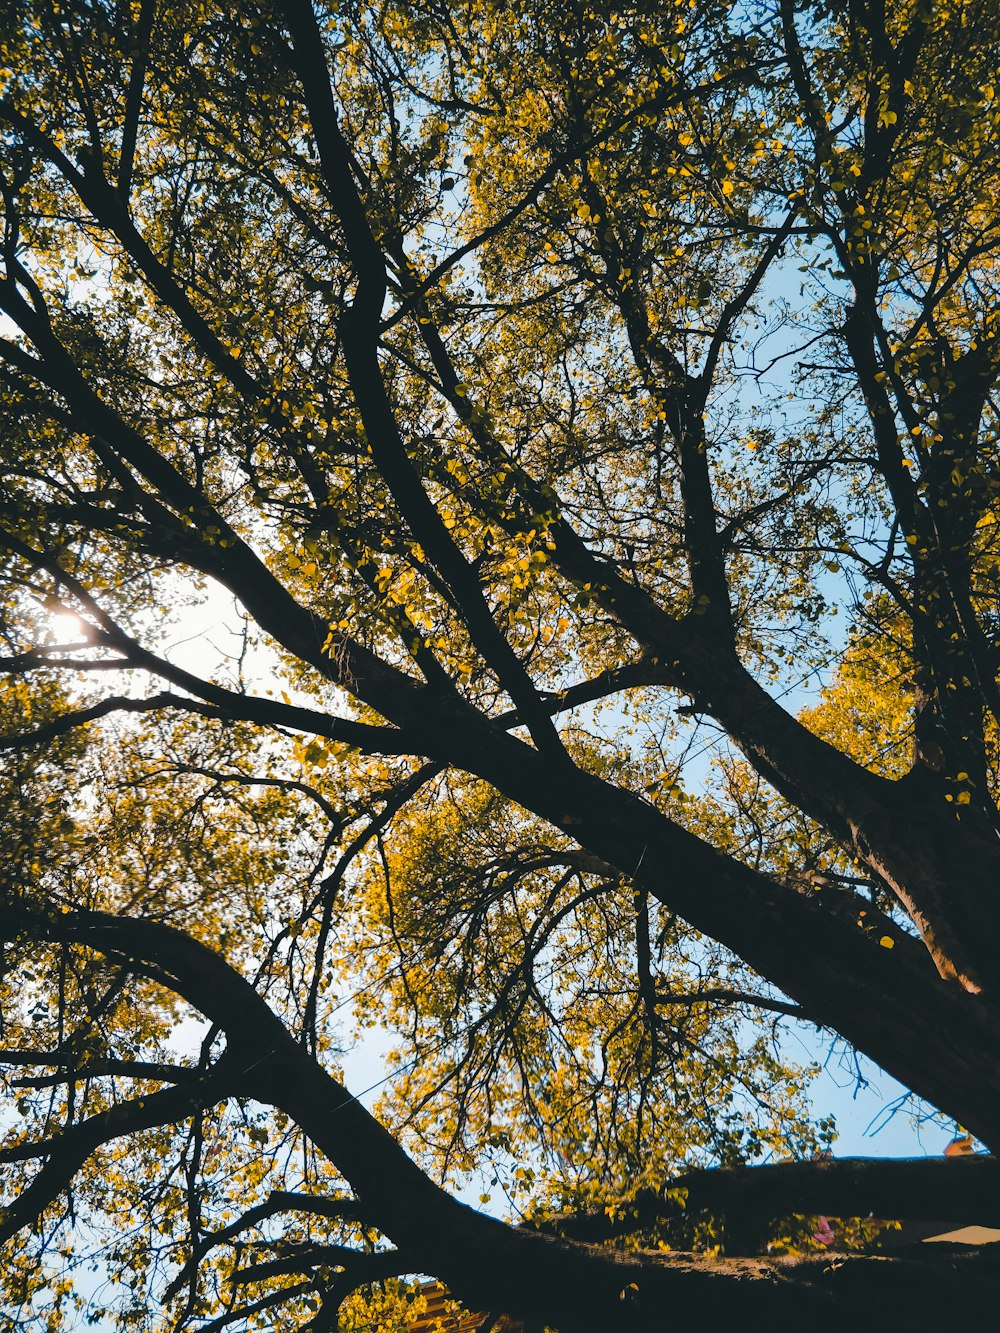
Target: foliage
<point x="498" y="525"/>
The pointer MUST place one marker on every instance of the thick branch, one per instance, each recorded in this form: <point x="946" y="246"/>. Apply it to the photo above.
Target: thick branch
<point x="68" y="1151"/>
<point x="486" y="1263"/>
<point x="359" y="1267"/>
<point x="278" y="1201"/>
<point x="940" y="1189"/>
<point x="360" y="333"/>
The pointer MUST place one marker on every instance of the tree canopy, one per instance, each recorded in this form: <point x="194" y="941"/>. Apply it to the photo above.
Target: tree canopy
<point x="577" y="425"/>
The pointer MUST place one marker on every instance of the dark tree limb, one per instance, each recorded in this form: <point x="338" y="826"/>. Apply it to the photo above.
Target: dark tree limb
<point x="722" y="995"/>
<point x="487" y="1263"/>
<point x="277" y="1202"/>
<point x="963" y="1190"/>
<point x="257" y="1307"/>
<point x="359" y="1267"/>
<point x="67" y="1151"/>
<point x="72" y="1072"/>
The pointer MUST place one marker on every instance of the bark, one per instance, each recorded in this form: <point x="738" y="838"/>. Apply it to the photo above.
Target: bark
<point x="935" y="1037"/>
<point x="488" y="1264"/>
<point x="927" y="1011"/>
<point x="961" y="1190"/>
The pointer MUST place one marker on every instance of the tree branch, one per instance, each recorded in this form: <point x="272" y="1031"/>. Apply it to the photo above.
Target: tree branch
<point x="67" y="1151"/>
<point x="278" y="1201"/>
<point x="947" y="1189"/>
<point x="360" y="1267"/>
<point x="487" y="1263"/>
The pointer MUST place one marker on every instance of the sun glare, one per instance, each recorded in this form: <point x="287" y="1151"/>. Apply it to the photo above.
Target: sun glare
<point x="65" y="627"/>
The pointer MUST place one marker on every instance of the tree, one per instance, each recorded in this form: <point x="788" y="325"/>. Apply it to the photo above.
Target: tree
<point x="537" y="380"/>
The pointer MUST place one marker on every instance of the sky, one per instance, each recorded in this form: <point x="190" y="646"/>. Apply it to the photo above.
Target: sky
<point x="873" y="1116"/>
